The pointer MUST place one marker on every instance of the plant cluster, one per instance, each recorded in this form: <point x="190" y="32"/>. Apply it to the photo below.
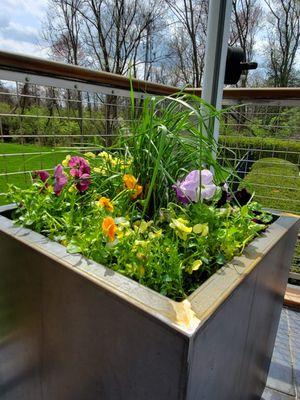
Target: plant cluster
<point x="156" y="209"/>
<point x="267" y="147"/>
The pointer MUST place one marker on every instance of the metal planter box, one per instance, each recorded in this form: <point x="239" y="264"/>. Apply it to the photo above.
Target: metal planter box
<point x="73" y="329"/>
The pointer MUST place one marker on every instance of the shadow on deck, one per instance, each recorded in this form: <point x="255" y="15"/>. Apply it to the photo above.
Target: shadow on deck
<point x="284" y="375"/>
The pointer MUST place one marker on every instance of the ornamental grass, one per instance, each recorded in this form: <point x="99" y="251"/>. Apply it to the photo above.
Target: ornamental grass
<point x="156" y="207"/>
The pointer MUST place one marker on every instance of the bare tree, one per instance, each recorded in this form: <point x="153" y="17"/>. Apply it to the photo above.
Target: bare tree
<point x="115" y="31"/>
<point x="189" y="36"/>
<point x="111" y="35"/>
<point x="153" y="50"/>
<point x="283" y="38"/>
<point x="63" y="30"/>
<point x="244" y="27"/>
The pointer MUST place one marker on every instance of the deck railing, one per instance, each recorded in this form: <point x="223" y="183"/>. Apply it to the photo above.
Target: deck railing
<point x="47" y="107"/>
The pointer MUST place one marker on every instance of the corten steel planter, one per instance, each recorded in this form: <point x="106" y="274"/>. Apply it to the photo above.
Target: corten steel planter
<point x="73" y="329"/>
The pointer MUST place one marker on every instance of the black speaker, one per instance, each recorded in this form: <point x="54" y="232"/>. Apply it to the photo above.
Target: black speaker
<point x="236" y="64"/>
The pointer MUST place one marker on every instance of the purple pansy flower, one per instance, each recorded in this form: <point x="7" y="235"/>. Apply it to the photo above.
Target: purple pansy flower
<point x="79" y="166"/>
<point x="242" y="197"/>
<point x="61" y="179"/>
<point x="189" y="189"/>
<point x="83" y="183"/>
<point x="42" y="175"/>
<point x="225" y="195"/>
<point x="80" y="170"/>
<point x="208" y="188"/>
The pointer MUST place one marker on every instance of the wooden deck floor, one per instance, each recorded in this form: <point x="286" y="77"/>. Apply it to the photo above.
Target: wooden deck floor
<point x="284" y="375"/>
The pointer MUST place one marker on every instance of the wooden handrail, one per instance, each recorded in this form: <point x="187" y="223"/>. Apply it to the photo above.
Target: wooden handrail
<point x="257" y="93"/>
<point x="33" y="65"/>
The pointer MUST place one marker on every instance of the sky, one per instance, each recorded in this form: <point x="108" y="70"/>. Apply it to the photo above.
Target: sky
<point x="20" y="25"/>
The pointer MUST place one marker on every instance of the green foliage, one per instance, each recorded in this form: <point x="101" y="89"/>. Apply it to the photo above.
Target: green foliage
<point x="16" y="158"/>
<point x="167" y="141"/>
<point x="129" y="218"/>
<point x="266" y="147"/>
<point x="49" y="126"/>
<point x="265" y="122"/>
<point x="275" y="183"/>
<point x="172" y="254"/>
<point x="282" y="124"/>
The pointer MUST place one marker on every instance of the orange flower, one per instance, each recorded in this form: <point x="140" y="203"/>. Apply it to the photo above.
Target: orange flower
<point x="109" y="228"/>
<point x="137" y="191"/>
<point x="131" y="183"/>
<point x="105" y="202"/>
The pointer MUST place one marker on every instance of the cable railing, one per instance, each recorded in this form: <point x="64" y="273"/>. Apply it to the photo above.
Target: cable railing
<point x="49" y="109"/>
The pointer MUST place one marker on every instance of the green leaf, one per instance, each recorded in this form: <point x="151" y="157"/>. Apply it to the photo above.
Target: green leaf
<point x="73" y="248"/>
<point x="220" y="259"/>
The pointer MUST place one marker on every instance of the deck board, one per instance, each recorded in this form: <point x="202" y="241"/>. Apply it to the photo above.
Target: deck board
<point x="284" y="375"/>
<point x="292" y="297"/>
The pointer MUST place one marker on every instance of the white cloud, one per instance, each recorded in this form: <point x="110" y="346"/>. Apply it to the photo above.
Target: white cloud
<point x="22" y="47"/>
<point x="15" y="31"/>
<point x="20" y="24"/>
<point x="35" y="8"/>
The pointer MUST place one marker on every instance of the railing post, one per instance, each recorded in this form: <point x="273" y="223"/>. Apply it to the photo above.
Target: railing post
<point x="215" y="56"/>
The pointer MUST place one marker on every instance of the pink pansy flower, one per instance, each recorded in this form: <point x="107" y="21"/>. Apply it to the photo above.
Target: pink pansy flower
<point x="80" y="170"/>
<point x="83" y="183"/>
<point x="61" y="179"/>
<point x="43" y="175"/>
<point x="79" y="166"/>
<point x="188" y="190"/>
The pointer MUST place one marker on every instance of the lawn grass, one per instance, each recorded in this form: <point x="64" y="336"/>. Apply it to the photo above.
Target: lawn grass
<point x="272" y="179"/>
<point x="19" y="158"/>
<point x="276" y="184"/>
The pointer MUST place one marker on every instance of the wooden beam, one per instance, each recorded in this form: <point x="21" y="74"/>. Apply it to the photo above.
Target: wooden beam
<point x="292" y="297"/>
<point x="33" y="65"/>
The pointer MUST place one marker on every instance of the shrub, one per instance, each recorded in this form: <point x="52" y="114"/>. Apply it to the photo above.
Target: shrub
<point x="262" y="147"/>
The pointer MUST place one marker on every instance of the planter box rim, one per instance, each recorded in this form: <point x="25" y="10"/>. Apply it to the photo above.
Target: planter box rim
<point x="186" y="316"/>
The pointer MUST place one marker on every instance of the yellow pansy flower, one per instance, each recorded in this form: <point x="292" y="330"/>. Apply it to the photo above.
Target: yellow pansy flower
<point x="142" y="226"/>
<point x="65" y="162"/>
<point x="72" y="189"/>
<point x="155" y="235"/>
<point x="201" y="229"/>
<point x="49" y="188"/>
<point x="100" y="170"/>
<point x="195" y="266"/>
<point x="89" y="154"/>
<point x="180" y="227"/>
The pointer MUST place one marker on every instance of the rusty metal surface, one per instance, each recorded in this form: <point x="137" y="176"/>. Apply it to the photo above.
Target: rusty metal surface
<point x="73" y="329"/>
